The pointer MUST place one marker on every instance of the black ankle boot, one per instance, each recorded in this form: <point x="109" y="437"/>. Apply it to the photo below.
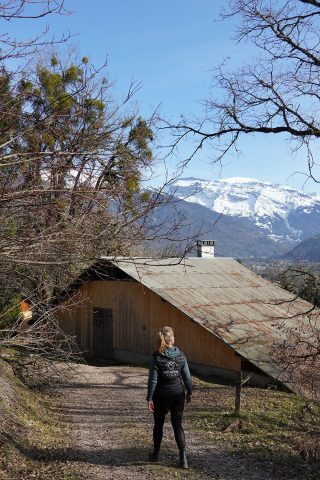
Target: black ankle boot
<point x="154" y="456"/>
<point x="183" y="459"/>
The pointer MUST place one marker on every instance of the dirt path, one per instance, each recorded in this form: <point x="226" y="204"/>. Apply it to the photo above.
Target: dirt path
<point x="112" y="432"/>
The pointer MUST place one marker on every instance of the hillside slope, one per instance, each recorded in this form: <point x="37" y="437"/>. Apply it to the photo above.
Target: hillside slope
<point x="308" y="250"/>
<point x="29" y="431"/>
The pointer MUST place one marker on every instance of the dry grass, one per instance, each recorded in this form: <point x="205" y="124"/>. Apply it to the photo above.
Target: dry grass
<point x="28" y="430"/>
<point x="272" y="425"/>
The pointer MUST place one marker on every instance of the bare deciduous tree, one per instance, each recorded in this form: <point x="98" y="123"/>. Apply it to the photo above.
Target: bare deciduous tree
<point x="13" y="47"/>
<point x="299" y="356"/>
<point x="72" y="166"/>
<point x="276" y="94"/>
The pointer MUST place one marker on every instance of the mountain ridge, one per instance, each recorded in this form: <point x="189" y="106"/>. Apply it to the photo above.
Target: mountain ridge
<point x="307" y="251"/>
<point x="283" y="213"/>
<point x="234" y="237"/>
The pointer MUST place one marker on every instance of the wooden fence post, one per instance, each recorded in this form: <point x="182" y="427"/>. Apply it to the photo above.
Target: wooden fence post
<point x="238" y="394"/>
<point x="239" y="383"/>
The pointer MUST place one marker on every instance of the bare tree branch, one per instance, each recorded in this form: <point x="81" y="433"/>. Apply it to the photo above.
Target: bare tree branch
<point x="278" y="94"/>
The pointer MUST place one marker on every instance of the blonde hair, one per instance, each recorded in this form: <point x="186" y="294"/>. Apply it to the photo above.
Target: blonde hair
<point x="164" y="338"/>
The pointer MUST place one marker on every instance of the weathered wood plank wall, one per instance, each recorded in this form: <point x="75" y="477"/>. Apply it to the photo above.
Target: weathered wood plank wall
<point x="138" y="313"/>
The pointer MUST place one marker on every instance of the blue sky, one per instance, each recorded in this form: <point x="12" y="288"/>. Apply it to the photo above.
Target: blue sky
<point x="172" y="47"/>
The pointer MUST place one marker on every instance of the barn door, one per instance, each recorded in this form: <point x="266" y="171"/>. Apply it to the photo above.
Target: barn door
<point x="102" y="332"/>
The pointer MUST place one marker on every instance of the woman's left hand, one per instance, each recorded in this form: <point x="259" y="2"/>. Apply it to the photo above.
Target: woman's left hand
<point x="151" y="406"/>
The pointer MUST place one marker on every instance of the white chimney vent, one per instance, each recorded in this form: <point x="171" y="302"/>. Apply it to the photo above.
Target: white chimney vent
<point x="205" y="248"/>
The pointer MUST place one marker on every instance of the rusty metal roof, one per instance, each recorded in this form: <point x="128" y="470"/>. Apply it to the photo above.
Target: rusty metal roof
<point x="226" y="298"/>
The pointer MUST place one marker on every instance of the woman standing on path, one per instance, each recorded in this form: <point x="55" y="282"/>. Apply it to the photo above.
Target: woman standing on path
<point x="169" y="376"/>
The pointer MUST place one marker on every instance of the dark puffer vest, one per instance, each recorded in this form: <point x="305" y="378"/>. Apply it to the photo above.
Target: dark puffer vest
<point x="169" y="374"/>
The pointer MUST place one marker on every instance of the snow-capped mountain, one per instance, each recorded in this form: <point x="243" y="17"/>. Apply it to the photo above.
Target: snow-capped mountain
<point x="283" y="213"/>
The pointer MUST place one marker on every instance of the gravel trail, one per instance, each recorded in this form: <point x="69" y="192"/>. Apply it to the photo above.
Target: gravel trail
<point x="112" y="431"/>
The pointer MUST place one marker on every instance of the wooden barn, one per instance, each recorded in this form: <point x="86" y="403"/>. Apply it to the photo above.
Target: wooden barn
<point x="226" y="318"/>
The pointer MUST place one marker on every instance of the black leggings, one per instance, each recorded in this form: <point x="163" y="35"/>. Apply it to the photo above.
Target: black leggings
<point x="162" y="405"/>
